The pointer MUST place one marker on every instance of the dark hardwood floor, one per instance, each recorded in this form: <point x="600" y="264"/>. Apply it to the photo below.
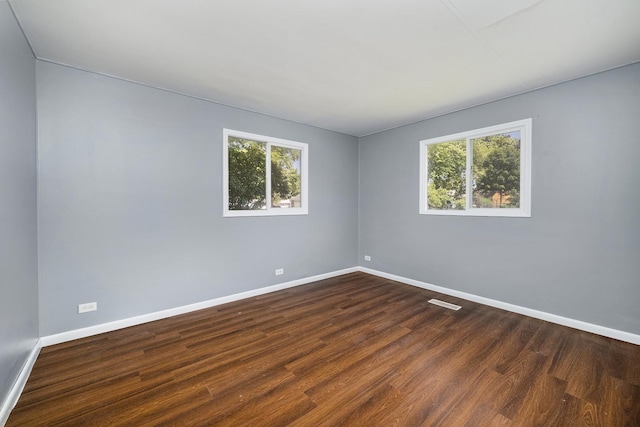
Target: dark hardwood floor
<point x="352" y="350"/>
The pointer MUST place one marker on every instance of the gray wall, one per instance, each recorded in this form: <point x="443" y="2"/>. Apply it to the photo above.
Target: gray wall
<point x="130" y="203"/>
<point x="18" y="243"/>
<point x="577" y="256"/>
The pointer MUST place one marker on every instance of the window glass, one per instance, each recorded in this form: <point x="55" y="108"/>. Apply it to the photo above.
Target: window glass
<point x="247" y="174"/>
<point x="482" y="172"/>
<point x="263" y="175"/>
<point x="447" y="163"/>
<point x="285" y="177"/>
<point x="496" y="171"/>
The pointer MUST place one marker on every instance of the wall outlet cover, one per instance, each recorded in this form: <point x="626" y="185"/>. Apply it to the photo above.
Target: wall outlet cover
<point x="90" y="306"/>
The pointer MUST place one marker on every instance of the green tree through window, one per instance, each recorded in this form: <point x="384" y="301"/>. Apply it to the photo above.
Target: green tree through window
<point x="285" y="176"/>
<point x="496" y="171"/>
<point x="247" y="174"/>
<point x="483" y="172"/>
<point x="264" y="175"/>
<point x="447" y="169"/>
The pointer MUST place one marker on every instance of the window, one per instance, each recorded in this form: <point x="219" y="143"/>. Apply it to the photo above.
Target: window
<point x="263" y="175"/>
<point x="483" y="172"/>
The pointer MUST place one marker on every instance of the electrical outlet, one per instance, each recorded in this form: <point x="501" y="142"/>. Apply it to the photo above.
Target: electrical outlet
<point x="90" y="306"/>
<point x="279" y="271"/>
<point x="367" y="258"/>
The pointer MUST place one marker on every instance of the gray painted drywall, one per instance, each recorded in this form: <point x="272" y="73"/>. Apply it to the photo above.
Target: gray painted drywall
<point x="130" y="203"/>
<point x="578" y="256"/>
<point x="18" y="233"/>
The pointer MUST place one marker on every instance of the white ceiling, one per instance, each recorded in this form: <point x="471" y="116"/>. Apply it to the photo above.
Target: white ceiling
<point x="354" y="66"/>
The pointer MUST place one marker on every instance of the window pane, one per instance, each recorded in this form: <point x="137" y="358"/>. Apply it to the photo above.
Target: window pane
<point x="247" y="174"/>
<point x="285" y="177"/>
<point x="446" y="181"/>
<point x="496" y="171"/>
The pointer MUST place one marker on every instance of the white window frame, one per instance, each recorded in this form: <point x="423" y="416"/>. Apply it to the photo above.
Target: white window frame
<point x="524" y="126"/>
<point x="270" y="141"/>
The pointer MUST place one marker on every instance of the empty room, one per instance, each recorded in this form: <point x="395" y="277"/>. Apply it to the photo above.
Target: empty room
<point x="320" y="213"/>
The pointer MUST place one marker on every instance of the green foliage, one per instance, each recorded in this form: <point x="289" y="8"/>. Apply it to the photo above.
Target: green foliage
<point x="480" y="201"/>
<point x="439" y="198"/>
<point x="513" y="201"/>
<point x="446" y="180"/>
<point x="496" y="169"/>
<point x="247" y="174"/>
<point x="496" y="173"/>
<point x="285" y="178"/>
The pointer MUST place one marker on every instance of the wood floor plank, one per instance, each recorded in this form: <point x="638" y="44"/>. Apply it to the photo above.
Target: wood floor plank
<point x="543" y="402"/>
<point x="519" y="378"/>
<point x="622" y="363"/>
<point x="148" y="407"/>
<point x="230" y="399"/>
<point x="354" y="350"/>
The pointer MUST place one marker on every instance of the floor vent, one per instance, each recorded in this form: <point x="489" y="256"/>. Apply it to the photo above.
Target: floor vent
<point x="445" y="304"/>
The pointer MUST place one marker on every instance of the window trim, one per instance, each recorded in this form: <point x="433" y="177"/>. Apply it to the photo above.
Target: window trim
<point x="525" y="128"/>
<point x="269" y="140"/>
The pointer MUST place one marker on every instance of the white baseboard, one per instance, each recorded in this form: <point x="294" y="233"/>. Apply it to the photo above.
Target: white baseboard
<point x="150" y="317"/>
<point x="18" y="386"/>
<point x="16" y="390"/>
<point x="553" y="318"/>
<point x="132" y="321"/>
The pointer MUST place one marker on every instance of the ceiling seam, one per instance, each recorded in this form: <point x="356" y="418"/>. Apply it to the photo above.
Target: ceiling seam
<point x="24" y="34"/>
<point x="460" y="17"/>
